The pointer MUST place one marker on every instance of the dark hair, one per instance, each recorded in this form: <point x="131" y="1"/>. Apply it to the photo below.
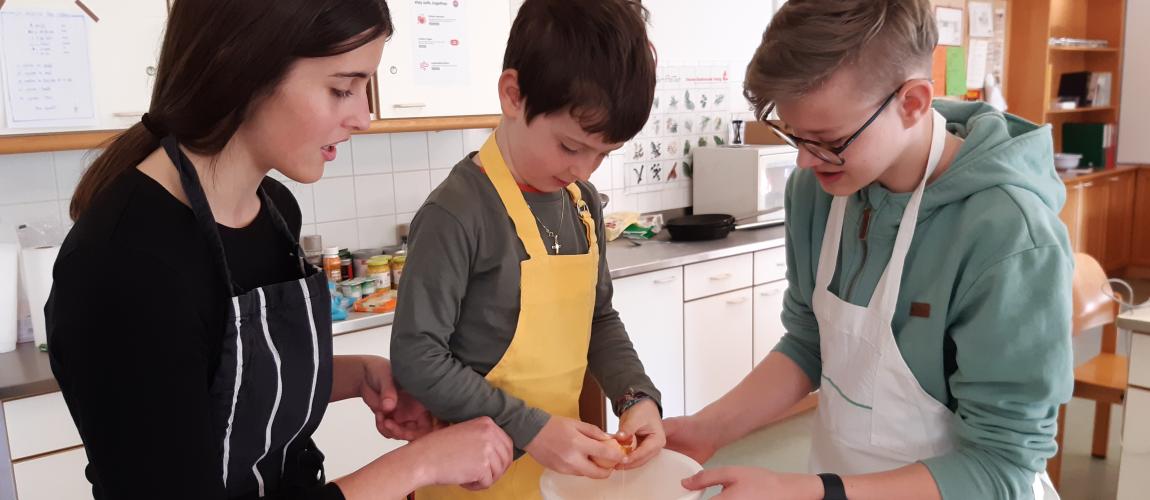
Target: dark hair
<point x="589" y="57"/>
<point x="809" y="40"/>
<point x="218" y="58"/>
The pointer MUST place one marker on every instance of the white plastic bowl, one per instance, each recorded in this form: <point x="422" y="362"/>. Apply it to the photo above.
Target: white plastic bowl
<point x="660" y="479"/>
<point x="1066" y="161"/>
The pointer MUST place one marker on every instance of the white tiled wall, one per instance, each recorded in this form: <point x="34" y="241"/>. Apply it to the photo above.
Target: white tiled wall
<point x="35" y="189"/>
<point x="373" y="185"/>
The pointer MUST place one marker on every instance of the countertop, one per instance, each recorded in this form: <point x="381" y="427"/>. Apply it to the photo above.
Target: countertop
<point x="1073" y="178"/>
<point x="25" y="372"/>
<point x="1137" y="321"/>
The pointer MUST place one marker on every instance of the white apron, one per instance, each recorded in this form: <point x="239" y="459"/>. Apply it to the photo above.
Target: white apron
<point x="873" y="415"/>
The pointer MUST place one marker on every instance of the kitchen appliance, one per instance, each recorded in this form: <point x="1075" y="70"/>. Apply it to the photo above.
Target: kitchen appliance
<point x="742" y="180"/>
<point x="702" y="227"/>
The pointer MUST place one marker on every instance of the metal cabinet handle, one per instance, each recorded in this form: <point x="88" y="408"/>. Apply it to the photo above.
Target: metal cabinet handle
<point x="664" y="281"/>
<point x="769" y="293"/>
<point x="735" y="302"/>
<point x="409" y="105"/>
<point x="721" y="277"/>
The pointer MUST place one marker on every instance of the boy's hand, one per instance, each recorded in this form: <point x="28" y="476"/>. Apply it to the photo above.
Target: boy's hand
<point x="756" y="484"/>
<point x="397" y="414"/>
<point x="408" y="422"/>
<point x="689" y="436"/>
<point x="644" y="423"/>
<point x="567" y="446"/>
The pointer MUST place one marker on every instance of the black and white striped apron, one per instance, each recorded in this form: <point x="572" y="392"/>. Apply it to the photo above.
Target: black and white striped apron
<point x="274" y="378"/>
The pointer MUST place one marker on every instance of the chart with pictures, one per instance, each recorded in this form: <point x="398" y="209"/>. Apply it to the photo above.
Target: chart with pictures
<point x="691" y="109"/>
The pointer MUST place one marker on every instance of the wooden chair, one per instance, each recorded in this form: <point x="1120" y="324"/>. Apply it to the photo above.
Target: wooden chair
<point x="1102" y="378"/>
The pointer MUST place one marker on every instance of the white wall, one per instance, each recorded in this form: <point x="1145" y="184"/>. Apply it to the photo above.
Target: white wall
<point x="376" y="183"/>
<point x="1134" y="122"/>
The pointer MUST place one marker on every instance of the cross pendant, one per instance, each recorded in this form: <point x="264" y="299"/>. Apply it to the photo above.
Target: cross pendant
<point x="557" y="246"/>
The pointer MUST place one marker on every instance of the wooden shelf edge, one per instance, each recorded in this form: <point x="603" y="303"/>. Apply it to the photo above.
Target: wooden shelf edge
<point x="1107" y="50"/>
<point x="59" y="141"/>
<point x="64" y="141"/>
<point x="1078" y="110"/>
<point x="431" y="124"/>
<point x="1101" y="174"/>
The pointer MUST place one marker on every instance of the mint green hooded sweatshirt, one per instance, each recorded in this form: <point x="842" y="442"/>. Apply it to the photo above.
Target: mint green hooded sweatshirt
<point x="993" y="261"/>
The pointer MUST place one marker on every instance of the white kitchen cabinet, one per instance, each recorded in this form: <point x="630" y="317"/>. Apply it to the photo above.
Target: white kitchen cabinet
<point x="1139" y="374"/>
<point x="768" y="318"/>
<point x="473" y="36"/>
<point x="347" y="435"/>
<point x="39" y="424"/>
<point x="718" y="276"/>
<point x="57" y="476"/>
<point x="770" y="265"/>
<point x="1133" y="482"/>
<point x="718" y="345"/>
<point x="122" y="52"/>
<point x="651" y="306"/>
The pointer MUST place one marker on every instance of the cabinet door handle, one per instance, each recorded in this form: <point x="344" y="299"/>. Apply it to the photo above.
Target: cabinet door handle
<point x="664" y="281"/>
<point x="782" y="265"/>
<point x="1085" y="185"/>
<point x="721" y="277"/>
<point x="1114" y="179"/>
<point x="769" y="293"/>
<point x="409" y="105"/>
<point x="735" y="302"/>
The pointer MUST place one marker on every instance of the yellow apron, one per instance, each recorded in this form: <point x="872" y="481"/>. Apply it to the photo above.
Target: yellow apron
<point x="547" y="358"/>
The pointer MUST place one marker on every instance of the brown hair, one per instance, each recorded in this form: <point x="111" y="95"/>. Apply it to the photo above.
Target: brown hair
<point x="218" y="58"/>
<point x="589" y="57"/>
<point x="809" y="40"/>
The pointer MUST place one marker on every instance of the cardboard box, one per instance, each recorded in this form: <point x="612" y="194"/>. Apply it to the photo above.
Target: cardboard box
<point x="757" y="132"/>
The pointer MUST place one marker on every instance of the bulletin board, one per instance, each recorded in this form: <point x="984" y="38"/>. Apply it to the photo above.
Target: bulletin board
<point x="956" y="67"/>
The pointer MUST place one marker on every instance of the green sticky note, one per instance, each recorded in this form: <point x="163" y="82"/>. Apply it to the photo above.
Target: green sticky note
<point x="956" y="71"/>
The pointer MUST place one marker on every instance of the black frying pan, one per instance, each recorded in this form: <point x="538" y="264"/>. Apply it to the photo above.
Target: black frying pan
<point x="702" y="227"/>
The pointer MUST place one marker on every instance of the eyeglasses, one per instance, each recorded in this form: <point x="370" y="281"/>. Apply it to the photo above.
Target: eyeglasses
<point x="821" y="150"/>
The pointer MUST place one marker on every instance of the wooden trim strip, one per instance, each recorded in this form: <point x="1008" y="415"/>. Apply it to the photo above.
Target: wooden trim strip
<point x="87" y="11"/>
<point x="63" y="141"/>
<point x="12" y="144"/>
<point x="48" y="453"/>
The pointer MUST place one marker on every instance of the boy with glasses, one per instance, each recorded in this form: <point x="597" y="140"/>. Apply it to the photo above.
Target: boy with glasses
<point x="929" y="276"/>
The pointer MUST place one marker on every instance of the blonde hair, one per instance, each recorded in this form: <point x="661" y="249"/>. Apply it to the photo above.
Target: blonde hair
<point x="809" y="40"/>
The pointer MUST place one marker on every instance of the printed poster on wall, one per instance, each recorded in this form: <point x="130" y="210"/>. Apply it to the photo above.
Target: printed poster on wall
<point x="440" y="52"/>
<point x="981" y="19"/>
<point x="949" y="26"/>
<point x="46" y="69"/>
<point x="691" y="109"/>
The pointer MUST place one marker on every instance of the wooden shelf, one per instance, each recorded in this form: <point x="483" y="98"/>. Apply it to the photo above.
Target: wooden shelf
<point x="1108" y="50"/>
<point x="1078" y="110"/>
<point x="63" y="141"/>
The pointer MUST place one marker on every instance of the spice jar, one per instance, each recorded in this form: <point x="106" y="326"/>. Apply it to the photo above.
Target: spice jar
<point x="345" y="264"/>
<point x="379" y="269"/>
<point x="331" y="265"/>
<point x="397" y="264"/>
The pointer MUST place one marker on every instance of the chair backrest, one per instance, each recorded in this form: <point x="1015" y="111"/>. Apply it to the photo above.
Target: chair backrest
<point x="1093" y="305"/>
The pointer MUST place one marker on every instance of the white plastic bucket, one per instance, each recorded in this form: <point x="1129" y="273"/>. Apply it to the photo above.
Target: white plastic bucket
<point x="659" y="479"/>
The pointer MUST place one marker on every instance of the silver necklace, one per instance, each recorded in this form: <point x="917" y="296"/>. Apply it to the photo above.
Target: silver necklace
<point x="562" y="217"/>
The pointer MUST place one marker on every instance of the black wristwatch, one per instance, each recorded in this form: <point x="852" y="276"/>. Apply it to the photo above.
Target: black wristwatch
<point x="833" y="488"/>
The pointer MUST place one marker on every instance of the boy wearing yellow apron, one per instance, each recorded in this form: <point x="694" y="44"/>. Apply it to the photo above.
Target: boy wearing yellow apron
<point x="505" y="301"/>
